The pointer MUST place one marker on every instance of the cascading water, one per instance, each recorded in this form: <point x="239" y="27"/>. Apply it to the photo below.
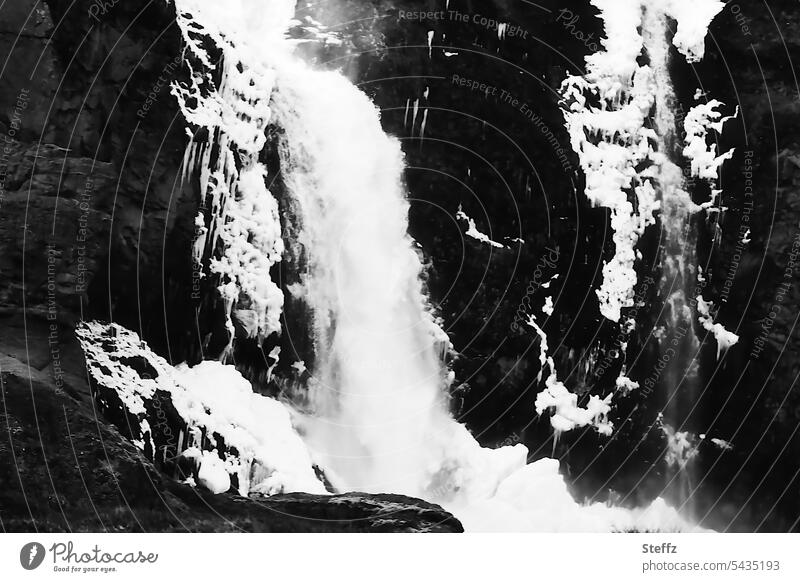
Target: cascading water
<point x="680" y="347"/>
<point x="377" y="418"/>
<point x="376" y="378"/>
<point x="629" y="150"/>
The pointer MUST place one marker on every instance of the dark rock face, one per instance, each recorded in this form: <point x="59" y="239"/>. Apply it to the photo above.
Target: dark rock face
<point x="96" y="222"/>
<point x="93" y="150"/>
<point x="349" y="512"/>
<point x="752" y="398"/>
<point x="68" y="470"/>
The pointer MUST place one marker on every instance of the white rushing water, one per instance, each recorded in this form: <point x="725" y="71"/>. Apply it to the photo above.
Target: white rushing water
<point x="378" y="420"/>
<point x="376" y="378"/>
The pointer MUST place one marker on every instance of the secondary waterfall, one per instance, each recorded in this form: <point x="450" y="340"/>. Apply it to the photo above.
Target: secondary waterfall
<point x="629" y="150"/>
<point x="680" y="347"/>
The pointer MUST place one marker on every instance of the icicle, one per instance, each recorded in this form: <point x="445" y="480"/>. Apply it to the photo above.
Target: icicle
<point x="242" y="240"/>
<point x="422" y="127"/>
<point x="414" y="117"/>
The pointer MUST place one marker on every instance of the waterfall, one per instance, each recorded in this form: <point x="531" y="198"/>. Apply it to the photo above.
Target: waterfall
<point x="376" y="379"/>
<point x="376" y="416"/>
<point x="678" y="265"/>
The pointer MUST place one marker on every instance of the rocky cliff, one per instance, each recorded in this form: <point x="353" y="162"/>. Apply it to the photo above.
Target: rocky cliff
<point x="97" y="222"/>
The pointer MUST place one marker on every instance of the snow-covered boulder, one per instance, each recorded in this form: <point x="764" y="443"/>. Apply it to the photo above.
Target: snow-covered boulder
<point x="203" y="422"/>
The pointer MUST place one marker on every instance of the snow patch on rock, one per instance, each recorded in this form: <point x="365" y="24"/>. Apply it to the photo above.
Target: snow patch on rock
<point x="251" y="435"/>
<point x="473" y="232"/>
<point x="725" y="339"/>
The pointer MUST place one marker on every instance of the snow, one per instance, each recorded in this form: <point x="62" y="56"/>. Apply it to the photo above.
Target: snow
<point x="220" y="399"/>
<point x="473" y="232"/>
<point x="625" y="385"/>
<point x="725" y="339"/>
<point x="704" y="161"/>
<point x="547" y="309"/>
<point x="211" y="398"/>
<point x="694" y="18"/>
<point x="615" y="147"/>
<point x="213" y="475"/>
<point x="242" y="240"/>
<point x="567" y="415"/>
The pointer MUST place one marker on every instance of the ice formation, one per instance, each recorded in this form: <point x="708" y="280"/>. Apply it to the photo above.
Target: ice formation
<point x="567" y="415"/>
<point x="693" y="18"/>
<point x="618" y="151"/>
<point x="547" y="308"/>
<point x="473" y="232"/>
<point x="705" y="163"/>
<point x="612" y="141"/>
<point x="625" y="385"/>
<point x="239" y="230"/>
<point x="722" y="444"/>
<point x="216" y="404"/>
<point x="725" y="339"/>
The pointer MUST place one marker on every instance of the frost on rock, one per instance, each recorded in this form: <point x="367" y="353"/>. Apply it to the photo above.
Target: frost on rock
<point x="547" y="309"/>
<point x="705" y="163"/>
<point x="722" y="444"/>
<point x="473" y="232"/>
<point x="725" y="339"/>
<point x="239" y="231"/>
<point x="567" y="415"/>
<point x="607" y="113"/>
<point x="213" y="474"/>
<point x="693" y="18"/>
<point x="167" y="411"/>
<point x="625" y="385"/>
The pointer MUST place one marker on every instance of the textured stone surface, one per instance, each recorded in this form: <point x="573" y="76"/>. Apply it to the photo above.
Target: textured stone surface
<point x="66" y="469"/>
<point x="83" y="91"/>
